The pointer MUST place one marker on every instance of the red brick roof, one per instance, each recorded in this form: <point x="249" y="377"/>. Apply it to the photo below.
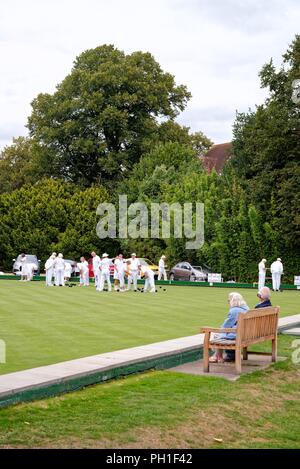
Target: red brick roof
<point x="216" y="157"/>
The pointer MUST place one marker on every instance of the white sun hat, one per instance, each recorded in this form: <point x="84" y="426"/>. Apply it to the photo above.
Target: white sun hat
<point x="163" y="256"/>
<point x="105" y="255"/>
<point x="133" y="254"/>
<point x="278" y="258"/>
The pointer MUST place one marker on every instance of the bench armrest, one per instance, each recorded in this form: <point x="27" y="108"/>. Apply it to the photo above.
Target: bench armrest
<point x="217" y="329"/>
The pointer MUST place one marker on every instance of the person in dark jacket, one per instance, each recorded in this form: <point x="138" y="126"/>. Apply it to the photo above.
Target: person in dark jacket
<point x="264" y="295"/>
<point x="237" y="305"/>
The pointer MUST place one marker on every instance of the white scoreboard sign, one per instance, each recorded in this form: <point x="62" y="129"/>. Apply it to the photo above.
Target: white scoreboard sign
<point x="297" y="280"/>
<point x="214" y="278"/>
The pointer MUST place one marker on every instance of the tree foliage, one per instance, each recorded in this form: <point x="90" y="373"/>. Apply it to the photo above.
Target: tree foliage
<point x="50" y="216"/>
<point x="111" y="121"/>
<point x="20" y="163"/>
<point x="105" y="113"/>
<point x="266" y="157"/>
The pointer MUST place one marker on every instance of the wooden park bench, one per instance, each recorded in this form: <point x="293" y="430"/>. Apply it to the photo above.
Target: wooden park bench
<point x="257" y="325"/>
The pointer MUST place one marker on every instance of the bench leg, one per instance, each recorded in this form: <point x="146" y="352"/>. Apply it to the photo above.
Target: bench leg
<point x="206" y="353"/>
<point x="245" y="353"/>
<point x="274" y="349"/>
<point x="238" y="361"/>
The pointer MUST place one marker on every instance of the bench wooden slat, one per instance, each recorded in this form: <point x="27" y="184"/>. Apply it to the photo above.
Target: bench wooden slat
<point x="218" y="329"/>
<point x="257" y="340"/>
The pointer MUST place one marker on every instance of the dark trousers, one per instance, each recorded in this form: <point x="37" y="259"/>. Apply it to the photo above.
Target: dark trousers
<point x="230" y="354"/>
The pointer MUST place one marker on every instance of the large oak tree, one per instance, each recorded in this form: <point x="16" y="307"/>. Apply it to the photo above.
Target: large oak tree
<point x="104" y="114"/>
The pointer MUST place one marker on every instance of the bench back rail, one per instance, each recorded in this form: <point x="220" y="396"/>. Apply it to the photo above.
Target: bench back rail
<point x="257" y="325"/>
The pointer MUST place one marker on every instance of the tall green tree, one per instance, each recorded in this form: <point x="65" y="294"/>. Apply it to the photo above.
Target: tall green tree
<point x="266" y="155"/>
<point x="155" y="179"/>
<point x="171" y="131"/>
<point x="104" y="113"/>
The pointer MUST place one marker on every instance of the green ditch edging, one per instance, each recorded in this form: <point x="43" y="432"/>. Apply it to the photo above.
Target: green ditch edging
<point x="75" y="384"/>
<point x="173" y="283"/>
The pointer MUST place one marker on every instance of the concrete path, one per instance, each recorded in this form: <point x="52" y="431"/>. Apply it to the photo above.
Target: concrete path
<point x="75" y="374"/>
<point x="292" y="331"/>
<point x="288" y="322"/>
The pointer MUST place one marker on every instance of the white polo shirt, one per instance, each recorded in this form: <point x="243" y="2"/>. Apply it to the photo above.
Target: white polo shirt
<point x="119" y="263"/>
<point x="104" y="264"/>
<point x="96" y="263"/>
<point x="134" y="264"/>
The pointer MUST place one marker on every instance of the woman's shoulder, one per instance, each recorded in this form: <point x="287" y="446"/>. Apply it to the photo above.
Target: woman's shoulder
<point x="239" y="309"/>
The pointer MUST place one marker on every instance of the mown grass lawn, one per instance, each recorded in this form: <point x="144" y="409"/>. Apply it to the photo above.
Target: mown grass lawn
<point x="163" y="409"/>
<point x="43" y="325"/>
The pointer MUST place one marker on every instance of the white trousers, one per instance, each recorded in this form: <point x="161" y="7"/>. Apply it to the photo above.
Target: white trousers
<point x="85" y="279"/>
<point x="97" y="278"/>
<point x="276" y="280"/>
<point x="122" y="279"/>
<point x="261" y="280"/>
<point x="132" y="278"/>
<point x="149" y="284"/>
<point x="60" y="278"/>
<point x="49" y="276"/>
<point x="104" y="276"/>
<point x="162" y="273"/>
<point x="120" y="276"/>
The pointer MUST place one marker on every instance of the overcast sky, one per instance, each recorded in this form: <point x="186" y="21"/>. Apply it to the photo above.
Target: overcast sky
<point x="215" y="47"/>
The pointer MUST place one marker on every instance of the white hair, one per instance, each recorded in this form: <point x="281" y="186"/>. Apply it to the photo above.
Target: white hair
<point x="265" y="293"/>
<point x="236" y="299"/>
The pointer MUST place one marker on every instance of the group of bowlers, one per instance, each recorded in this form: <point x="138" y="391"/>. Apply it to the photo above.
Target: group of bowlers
<point x="60" y="271"/>
<point x="276" y="270"/>
<point x="132" y="269"/>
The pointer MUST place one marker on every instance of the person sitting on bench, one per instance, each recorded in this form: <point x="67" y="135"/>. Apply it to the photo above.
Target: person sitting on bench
<point x="264" y="295"/>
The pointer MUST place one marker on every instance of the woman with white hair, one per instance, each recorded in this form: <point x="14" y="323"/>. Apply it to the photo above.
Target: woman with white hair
<point x="237" y="305"/>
